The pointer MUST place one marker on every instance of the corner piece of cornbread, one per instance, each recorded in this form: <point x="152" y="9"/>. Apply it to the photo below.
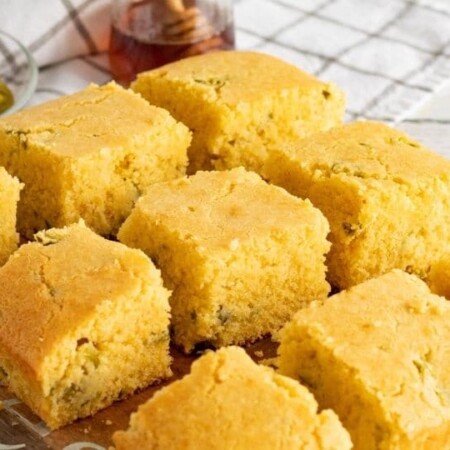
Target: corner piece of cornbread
<point x="89" y="155"/>
<point x="83" y="322"/>
<point x="9" y="196"/>
<point x="379" y="355"/>
<point x="229" y="402"/>
<point x="241" y="105"/>
<point x="386" y="197"/>
<point x="241" y="256"/>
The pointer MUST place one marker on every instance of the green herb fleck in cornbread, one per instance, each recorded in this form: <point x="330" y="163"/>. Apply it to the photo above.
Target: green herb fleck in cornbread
<point x="229" y="402"/>
<point x="9" y="196"/>
<point x="89" y="155"/>
<point x="241" y="256"/>
<point x="241" y="105"/>
<point x="386" y="197"/>
<point x="379" y="355"/>
<point x="83" y="322"/>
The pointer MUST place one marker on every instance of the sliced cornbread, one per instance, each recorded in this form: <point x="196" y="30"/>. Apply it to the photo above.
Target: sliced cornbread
<point x="9" y="196"/>
<point x="229" y="402"/>
<point x="439" y="277"/>
<point x="379" y="355"/>
<point x="89" y="155"/>
<point x="241" y="105"/>
<point x="386" y="197"/>
<point x="241" y="256"/>
<point x="83" y="322"/>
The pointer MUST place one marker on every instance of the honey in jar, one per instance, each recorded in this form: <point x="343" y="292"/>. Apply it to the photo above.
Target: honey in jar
<point x="150" y="33"/>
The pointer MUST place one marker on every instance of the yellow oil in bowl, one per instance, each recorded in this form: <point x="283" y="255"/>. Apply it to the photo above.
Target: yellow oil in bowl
<point x="6" y="97"/>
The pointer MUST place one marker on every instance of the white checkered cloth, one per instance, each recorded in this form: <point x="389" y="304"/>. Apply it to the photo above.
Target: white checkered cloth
<point x="68" y="39"/>
<point x="388" y="55"/>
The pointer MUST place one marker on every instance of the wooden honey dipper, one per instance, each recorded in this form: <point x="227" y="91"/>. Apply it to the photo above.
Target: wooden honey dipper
<point x="185" y="24"/>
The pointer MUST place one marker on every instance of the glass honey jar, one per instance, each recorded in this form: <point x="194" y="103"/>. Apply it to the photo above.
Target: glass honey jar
<point x="150" y="33"/>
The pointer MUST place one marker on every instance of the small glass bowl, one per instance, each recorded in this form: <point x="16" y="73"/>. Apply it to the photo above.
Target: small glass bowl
<point x="18" y="70"/>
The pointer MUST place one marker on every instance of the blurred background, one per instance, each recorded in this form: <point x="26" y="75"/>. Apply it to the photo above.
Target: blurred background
<point x="392" y="57"/>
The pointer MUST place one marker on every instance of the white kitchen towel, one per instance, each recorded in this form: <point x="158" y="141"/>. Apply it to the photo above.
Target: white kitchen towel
<point x="57" y="30"/>
<point x="388" y="55"/>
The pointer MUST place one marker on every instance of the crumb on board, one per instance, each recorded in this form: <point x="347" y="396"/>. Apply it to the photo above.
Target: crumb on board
<point x="259" y="353"/>
<point x="108" y="422"/>
<point x="271" y="362"/>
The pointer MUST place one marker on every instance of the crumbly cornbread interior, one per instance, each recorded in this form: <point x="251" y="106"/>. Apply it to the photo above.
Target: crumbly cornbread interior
<point x="241" y="105"/>
<point x="386" y="197"/>
<point x="377" y="355"/>
<point x="89" y="155"/>
<point x="10" y="189"/>
<point x="240" y="256"/>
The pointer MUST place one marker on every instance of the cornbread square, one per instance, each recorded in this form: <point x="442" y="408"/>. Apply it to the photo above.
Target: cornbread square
<point x="83" y="322"/>
<point x="240" y="256"/>
<point x="386" y="197"/>
<point x="9" y="196"/>
<point x="241" y="105"/>
<point x="378" y="354"/>
<point x="229" y="402"/>
<point x="439" y="278"/>
<point x="89" y="155"/>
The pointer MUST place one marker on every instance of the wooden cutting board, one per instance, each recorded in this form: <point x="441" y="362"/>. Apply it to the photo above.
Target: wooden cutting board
<point x="21" y="429"/>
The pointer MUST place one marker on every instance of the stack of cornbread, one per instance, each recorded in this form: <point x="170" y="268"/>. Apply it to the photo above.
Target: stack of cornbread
<point x="282" y="203"/>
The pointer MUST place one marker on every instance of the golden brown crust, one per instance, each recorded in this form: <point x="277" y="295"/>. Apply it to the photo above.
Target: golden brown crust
<point x="51" y="288"/>
<point x="57" y="148"/>
<point x="377" y="355"/>
<point x="365" y="151"/>
<point x="386" y="197"/>
<point x="98" y="118"/>
<point x="240" y="255"/>
<point x="227" y="401"/>
<point x="241" y="105"/>
<point x="222" y="209"/>
<point x="235" y="77"/>
<point x="83" y="321"/>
